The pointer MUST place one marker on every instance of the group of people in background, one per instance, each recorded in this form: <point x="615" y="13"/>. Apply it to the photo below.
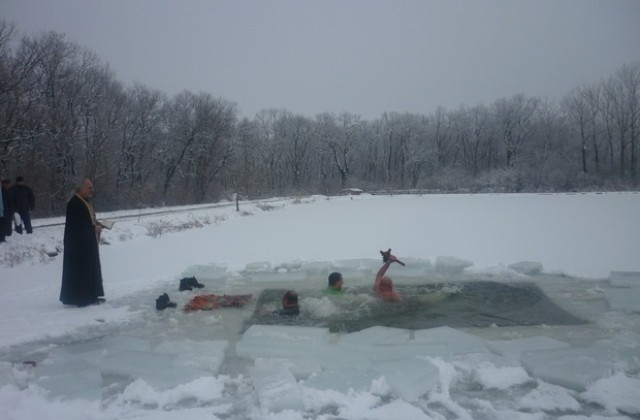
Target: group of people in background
<point x="81" y="271"/>
<point x="16" y="204"/>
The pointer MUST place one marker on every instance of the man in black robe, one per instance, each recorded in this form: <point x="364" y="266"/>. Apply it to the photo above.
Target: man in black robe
<point x="81" y="272"/>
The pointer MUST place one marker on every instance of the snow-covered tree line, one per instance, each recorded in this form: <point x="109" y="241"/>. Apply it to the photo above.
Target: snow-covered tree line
<point x="64" y="114"/>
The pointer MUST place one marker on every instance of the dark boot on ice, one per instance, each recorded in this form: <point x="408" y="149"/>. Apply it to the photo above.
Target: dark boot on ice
<point x="194" y="283"/>
<point x="184" y="284"/>
<point x="188" y="283"/>
<point x="169" y="303"/>
<point x="163" y="302"/>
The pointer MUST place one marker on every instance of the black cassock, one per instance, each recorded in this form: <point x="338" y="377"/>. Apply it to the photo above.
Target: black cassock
<point x="81" y="272"/>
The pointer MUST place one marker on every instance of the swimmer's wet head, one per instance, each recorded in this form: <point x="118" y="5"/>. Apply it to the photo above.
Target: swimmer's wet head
<point x="290" y="300"/>
<point x="335" y="281"/>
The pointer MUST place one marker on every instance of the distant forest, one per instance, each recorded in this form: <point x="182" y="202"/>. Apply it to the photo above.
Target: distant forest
<point x="64" y="115"/>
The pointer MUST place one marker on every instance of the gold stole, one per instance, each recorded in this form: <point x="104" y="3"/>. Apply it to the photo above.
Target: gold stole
<point x="92" y="214"/>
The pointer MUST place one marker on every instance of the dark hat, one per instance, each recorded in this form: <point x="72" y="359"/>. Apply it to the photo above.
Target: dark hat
<point x="19" y="179"/>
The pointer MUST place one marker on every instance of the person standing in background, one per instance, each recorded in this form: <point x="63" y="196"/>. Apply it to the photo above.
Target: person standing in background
<point x="1" y="217"/>
<point x="7" y="216"/>
<point x="24" y="202"/>
<point x="81" y="271"/>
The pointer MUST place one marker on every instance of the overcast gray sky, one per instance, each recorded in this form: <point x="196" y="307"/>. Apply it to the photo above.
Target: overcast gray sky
<point x="360" y="56"/>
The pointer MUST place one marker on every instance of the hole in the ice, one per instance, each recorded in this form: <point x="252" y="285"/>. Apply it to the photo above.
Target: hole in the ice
<point x="457" y="305"/>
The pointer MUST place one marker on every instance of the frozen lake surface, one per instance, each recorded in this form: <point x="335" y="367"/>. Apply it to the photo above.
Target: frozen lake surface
<point x="511" y="343"/>
<point x="532" y="313"/>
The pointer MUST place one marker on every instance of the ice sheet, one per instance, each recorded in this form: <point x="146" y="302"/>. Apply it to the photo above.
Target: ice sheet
<point x="410" y="378"/>
<point x="276" y="387"/>
<point x="515" y="347"/>
<point x="573" y="368"/>
<point x="625" y="278"/>
<point x="623" y="299"/>
<point x="527" y="267"/>
<point x="451" y="264"/>
<point x="455" y="341"/>
<point x="70" y="379"/>
<point x="282" y="341"/>
<point x="343" y="380"/>
<point x="162" y="371"/>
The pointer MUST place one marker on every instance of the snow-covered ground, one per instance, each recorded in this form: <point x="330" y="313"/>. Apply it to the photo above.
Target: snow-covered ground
<point x="125" y="360"/>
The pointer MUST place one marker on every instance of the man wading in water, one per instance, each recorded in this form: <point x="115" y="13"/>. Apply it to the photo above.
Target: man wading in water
<point x="383" y="286"/>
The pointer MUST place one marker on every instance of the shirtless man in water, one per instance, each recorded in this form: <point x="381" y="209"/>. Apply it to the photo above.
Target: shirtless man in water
<point x="383" y="286"/>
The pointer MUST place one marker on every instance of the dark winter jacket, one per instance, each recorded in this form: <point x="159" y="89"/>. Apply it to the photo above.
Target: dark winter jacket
<point x="23" y="198"/>
<point x="7" y="201"/>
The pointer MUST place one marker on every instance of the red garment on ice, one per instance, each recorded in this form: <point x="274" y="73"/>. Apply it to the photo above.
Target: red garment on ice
<point x="209" y="302"/>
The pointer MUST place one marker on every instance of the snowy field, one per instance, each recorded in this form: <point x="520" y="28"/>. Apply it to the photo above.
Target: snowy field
<point x="125" y="360"/>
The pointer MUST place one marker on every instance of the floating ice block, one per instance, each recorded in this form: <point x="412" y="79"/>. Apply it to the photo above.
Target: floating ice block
<point x="302" y="368"/>
<point x="409" y="350"/>
<point x="451" y="264"/>
<point x="622" y="351"/>
<point x="410" y="378"/>
<point x="456" y="341"/>
<point x="205" y="355"/>
<point x="376" y="336"/>
<point x="514" y="348"/>
<point x="624" y="299"/>
<point x="256" y="267"/>
<point x="625" y="278"/>
<point x="358" y="349"/>
<point x="124" y="342"/>
<point x="158" y="370"/>
<point x="282" y="341"/>
<point x="573" y="368"/>
<point x="527" y="267"/>
<point x="276" y="387"/>
<point x="206" y="272"/>
<point x="93" y="350"/>
<point x="396" y="409"/>
<point x="342" y="380"/>
<point x="70" y="379"/>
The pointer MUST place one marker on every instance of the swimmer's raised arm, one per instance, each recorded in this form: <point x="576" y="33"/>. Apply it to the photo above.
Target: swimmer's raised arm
<point x="387" y="256"/>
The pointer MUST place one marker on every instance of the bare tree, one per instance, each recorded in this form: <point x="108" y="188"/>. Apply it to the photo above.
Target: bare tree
<point x="627" y="106"/>
<point x="214" y="146"/>
<point x="141" y="129"/>
<point x="442" y="136"/>
<point x="270" y="149"/>
<point x="515" y="116"/>
<point x="57" y="112"/>
<point x="623" y="93"/>
<point x="339" y="136"/>
<point x="577" y="108"/>
<point x="18" y="93"/>
<point x="294" y="134"/>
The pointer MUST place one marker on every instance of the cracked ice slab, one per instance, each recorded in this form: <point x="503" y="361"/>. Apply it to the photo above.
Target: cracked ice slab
<point x="625" y="278"/>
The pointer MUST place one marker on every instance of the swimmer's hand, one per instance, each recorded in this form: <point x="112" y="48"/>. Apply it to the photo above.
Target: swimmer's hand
<point x="388" y="257"/>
